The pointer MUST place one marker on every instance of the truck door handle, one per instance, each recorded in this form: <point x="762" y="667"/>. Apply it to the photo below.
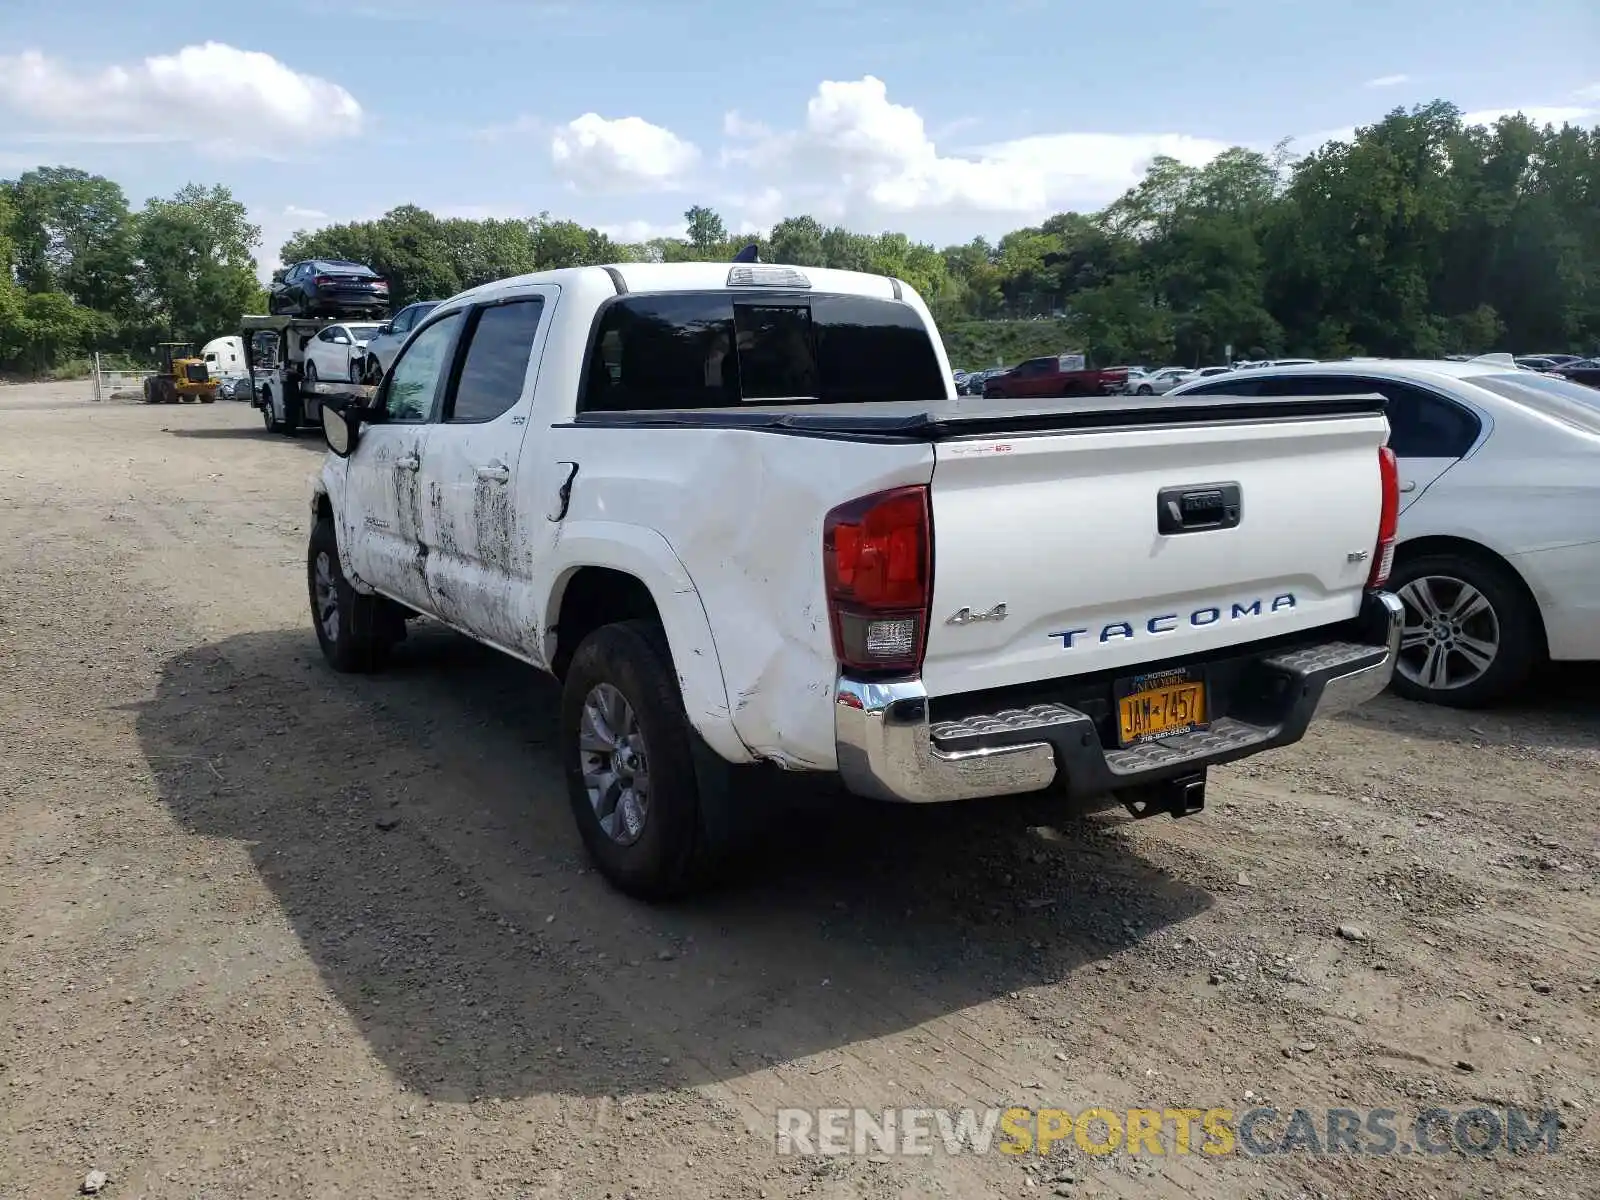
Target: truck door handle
<point x="1409" y="485"/>
<point x="409" y="463"/>
<point x="498" y="472"/>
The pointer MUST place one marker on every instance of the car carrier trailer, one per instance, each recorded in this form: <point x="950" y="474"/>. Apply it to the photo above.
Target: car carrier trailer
<point x="275" y="358"/>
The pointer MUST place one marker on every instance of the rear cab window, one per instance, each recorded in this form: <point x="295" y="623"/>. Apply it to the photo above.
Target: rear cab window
<point x="696" y="350"/>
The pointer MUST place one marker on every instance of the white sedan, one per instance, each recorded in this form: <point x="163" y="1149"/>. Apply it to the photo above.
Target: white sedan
<point x="337" y="351"/>
<point x="1498" y="556"/>
<point x="1158" y="383"/>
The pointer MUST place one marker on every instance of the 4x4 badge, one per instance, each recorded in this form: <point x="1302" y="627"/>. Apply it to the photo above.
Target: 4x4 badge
<point x="966" y="616"/>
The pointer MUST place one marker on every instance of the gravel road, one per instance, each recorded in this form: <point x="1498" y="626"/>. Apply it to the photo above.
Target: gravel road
<point x="270" y="931"/>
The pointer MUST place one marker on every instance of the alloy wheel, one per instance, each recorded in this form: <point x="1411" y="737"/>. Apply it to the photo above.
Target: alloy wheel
<point x="1451" y="633"/>
<point x="615" y="763"/>
<point x="327" y="597"/>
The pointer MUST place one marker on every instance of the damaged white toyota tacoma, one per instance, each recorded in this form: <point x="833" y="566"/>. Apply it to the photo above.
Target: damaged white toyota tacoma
<point x="741" y="513"/>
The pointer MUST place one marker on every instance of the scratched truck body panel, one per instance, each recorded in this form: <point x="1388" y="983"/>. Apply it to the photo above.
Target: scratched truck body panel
<point x="769" y="467"/>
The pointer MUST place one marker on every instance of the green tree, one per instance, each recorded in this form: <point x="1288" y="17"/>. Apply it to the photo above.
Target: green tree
<point x="198" y="272"/>
<point x="796" y="241"/>
<point x="707" y="233"/>
<point x="72" y="233"/>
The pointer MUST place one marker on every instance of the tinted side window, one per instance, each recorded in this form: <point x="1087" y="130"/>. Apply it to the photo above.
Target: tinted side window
<point x="403" y="320"/>
<point x="497" y="361"/>
<point x="414" y="381"/>
<point x="1225" y="385"/>
<point x="1315" y="385"/>
<point x="720" y="350"/>
<point x="1423" y="425"/>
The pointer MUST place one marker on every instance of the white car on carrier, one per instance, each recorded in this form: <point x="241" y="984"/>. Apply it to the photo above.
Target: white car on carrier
<point x="740" y="513"/>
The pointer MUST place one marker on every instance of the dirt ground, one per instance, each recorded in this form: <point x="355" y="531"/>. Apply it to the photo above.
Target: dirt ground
<point x="271" y="931"/>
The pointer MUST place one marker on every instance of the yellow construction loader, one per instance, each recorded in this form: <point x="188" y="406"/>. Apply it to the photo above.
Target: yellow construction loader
<point x="180" y="376"/>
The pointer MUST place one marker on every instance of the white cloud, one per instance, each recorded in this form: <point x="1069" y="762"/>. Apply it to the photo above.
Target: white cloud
<point x="1539" y="114"/>
<point x="626" y="154"/>
<point x="1387" y="81"/>
<point x="1592" y="92"/>
<point x="863" y="159"/>
<point x="226" y="100"/>
<point x="642" y="231"/>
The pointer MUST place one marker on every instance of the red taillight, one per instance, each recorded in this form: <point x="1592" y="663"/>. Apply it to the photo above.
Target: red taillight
<point x="877" y="555"/>
<point x="1388" y="518"/>
<point x="320" y="280"/>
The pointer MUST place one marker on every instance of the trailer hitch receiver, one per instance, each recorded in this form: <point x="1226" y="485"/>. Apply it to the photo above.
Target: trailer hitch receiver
<point x="1180" y="796"/>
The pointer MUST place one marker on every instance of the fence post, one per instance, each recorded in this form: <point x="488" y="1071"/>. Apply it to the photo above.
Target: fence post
<point x="98" y="395"/>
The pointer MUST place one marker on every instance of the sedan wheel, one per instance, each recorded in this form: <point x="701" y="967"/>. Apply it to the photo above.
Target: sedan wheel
<point x="1451" y="634"/>
<point x="1470" y="634"/>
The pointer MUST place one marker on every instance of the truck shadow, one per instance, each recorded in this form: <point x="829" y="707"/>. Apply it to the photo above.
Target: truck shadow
<point x="414" y="829"/>
<point x="305" y="439"/>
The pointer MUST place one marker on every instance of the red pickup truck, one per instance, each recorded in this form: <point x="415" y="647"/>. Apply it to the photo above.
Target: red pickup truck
<point x="1057" y="375"/>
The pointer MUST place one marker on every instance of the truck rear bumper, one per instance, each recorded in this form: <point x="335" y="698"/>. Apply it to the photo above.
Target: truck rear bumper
<point x="892" y="745"/>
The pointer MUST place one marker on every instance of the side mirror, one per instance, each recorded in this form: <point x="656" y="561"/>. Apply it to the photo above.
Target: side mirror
<point x="341" y="340"/>
<point x="342" y="421"/>
<point x="384" y="330"/>
<point x="338" y="431"/>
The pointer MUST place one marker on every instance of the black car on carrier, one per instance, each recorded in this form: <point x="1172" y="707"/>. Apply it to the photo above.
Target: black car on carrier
<point x="323" y="287"/>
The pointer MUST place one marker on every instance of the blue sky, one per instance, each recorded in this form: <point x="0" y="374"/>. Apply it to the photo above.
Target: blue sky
<point x="941" y="119"/>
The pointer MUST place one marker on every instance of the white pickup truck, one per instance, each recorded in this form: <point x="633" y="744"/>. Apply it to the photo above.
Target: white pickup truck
<point x="741" y="513"/>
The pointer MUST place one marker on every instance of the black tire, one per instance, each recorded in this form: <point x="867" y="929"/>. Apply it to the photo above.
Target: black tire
<point x="208" y="398"/>
<point x="671" y="855"/>
<point x="149" y="390"/>
<point x="1511" y="617"/>
<point x="1145" y="390"/>
<point x="268" y="416"/>
<point x="311" y="371"/>
<point x="373" y="373"/>
<point x="293" y="409"/>
<point x="362" y="627"/>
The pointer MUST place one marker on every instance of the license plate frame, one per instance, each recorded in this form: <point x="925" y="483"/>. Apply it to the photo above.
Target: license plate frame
<point x="1134" y="725"/>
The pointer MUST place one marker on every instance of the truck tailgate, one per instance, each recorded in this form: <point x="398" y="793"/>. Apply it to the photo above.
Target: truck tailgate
<point x="1065" y="531"/>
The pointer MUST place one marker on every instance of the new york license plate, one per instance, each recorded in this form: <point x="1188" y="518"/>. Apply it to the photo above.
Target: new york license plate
<point x="1160" y="705"/>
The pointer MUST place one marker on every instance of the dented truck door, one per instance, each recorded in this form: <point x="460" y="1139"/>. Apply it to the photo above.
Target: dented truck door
<point x="384" y="476"/>
<point x="479" y="533"/>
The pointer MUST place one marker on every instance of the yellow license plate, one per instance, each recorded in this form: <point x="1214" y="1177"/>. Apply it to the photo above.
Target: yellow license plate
<point x="1163" y="705"/>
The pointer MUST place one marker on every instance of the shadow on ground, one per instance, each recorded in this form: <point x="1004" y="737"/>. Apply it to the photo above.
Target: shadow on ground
<point x="308" y="439"/>
<point x="481" y="957"/>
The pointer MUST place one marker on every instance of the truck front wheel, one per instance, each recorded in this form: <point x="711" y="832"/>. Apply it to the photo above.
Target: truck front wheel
<point x="354" y="630"/>
<point x="627" y="749"/>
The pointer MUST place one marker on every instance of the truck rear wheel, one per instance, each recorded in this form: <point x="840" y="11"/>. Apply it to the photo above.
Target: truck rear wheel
<point x="269" y="418"/>
<point x="354" y="630"/>
<point x="627" y="749"/>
